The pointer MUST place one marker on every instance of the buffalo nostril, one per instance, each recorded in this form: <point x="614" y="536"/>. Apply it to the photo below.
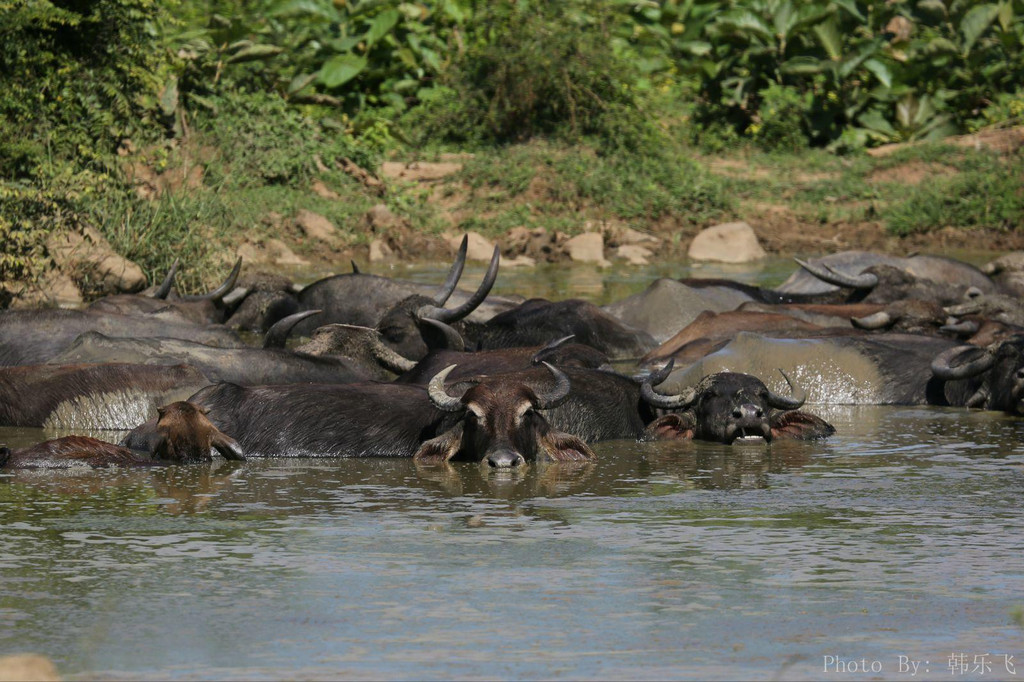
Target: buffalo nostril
<point x="737" y="413"/>
<point x="759" y="413"/>
<point x="504" y="460"/>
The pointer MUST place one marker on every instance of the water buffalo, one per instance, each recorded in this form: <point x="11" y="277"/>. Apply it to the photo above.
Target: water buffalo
<point x="91" y="396"/>
<point x="387" y="420"/>
<point x="886" y="278"/>
<point x="181" y="434"/>
<point x="502" y="423"/>
<point x="270" y="364"/>
<point x="361" y="299"/>
<point x="729" y="407"/>
<point x="996" y="373"/>
<point x="201" y="309"/>
<point x="406" y="327"/>
<point x="559" y="353"/>
<point x="537" y="320"/>
<point x="865" y="369"/>
<point x="668" y="305"/>
<point x="32" y="337"/>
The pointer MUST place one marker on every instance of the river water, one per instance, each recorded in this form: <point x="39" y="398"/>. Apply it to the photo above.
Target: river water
<point x="896" y="542"/>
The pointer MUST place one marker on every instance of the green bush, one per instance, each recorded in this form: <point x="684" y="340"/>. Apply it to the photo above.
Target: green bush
<point x="987" y="193"/>
<point x="536" y="68"/>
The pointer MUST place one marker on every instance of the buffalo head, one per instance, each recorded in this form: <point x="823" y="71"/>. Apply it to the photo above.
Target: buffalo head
<point x="996" y="374"/>
<point x="407" y="327"/>
<point x="501" y="422"/>
<point x="729" y="407"/>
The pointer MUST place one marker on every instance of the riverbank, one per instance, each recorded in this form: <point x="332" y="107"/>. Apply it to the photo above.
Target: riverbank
<point x="540" y="202"/>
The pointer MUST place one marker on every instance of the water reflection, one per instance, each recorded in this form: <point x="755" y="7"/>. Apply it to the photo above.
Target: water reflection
<point x="899" y="536"/>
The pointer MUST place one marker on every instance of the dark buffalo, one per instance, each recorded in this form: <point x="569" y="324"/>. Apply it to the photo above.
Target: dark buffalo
<point x="248" y="366"/>
<point x="91" y="396"/>
<point x="407" y="327"/>
<point x="930" y="278"/>
<point x="32" y="337"/>
<point x="537" y="320"/>
<point x="181" y="434"/>
<point x="668" y="305"/>
<point x="501" y="423"/>
<point x="206" y="308"/>
<point x="559" y="353"/>
<point x="385" y="420"/>
<point x="361" y="299"/>
<point x="865" y="369"/>
<point x="728" y="407"/>
<point x="996" y="373"/>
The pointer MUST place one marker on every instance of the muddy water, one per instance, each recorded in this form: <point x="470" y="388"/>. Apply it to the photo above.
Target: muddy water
<point x="900" y="536"/>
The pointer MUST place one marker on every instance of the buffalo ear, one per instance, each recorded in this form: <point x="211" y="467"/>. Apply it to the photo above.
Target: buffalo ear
<point x="556" y="446"/>
<point x="673" y="426"/>
<point x="800" y="426"/>
<point x="227" y="446"/>
<point x="442" y="448"/>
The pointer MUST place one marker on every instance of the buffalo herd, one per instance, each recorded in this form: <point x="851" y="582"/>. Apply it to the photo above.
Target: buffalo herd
<point x="358" y="365"/>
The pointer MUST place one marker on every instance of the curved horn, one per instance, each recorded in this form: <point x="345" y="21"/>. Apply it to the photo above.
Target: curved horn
<point x="942" y="364"/>
<point x="165" y="286"/>
<point x="454" y="273"/>
<point x="782" y="402"/>
<point x="438" y="335"/>
<point x="439" y="396"/>
<point x="960" y="327"/>
<point x="386" y="356"/>
<point x="355" y="268"/>
<point x="658" y="376"/>
<point x="456" y="314"/>
<point x="219" y="293"/>
<point x="827" y="274"/>
<point x="667" y="402"/>
<point x="277" y="335"/>
<point x="556" y="395"/>
<point x="879" y="320"/>
<point x="551" y="345"/>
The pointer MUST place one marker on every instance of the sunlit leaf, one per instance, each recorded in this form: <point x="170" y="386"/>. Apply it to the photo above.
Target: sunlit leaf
<point x="340" y="69"/>
<point x="382" y="24"/>
<point x="976" y="22"/>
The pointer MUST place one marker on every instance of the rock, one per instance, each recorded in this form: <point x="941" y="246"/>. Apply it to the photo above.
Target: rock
<point x="518" y="262"/>
<point x="419" y="171"/>
<point x="322" y="190"/>
<point x="379" y="251"/>
<point x="727" y="243"/>
<point x="478" y="247"/>
<point x="87" y="256"/>
<point x="282" y="255"/>
<point x="273" y="251"/>
<point x="586" y="248"/>
<point x="27" y="668"/>
<point x="316" y="226"/>
<point x="380" y="217"/>
<point x="620" y="235"/>
<point x="634" y="254"/>
<point x="54" y="288"/>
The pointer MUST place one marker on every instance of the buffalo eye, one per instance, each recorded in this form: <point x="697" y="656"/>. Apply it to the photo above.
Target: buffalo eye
<point x="1020" y="373"/>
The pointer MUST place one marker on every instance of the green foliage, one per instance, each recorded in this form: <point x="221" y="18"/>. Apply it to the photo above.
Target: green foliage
<point x="538" y="68"/>
<point x="988" y="192"/>
<point x="73" y="75"/>
<point x="264" y="141"/>
<point x="27" y="217"/>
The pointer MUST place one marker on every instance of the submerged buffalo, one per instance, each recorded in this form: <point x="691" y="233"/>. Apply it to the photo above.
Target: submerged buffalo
<point x="31" y="337"/>
<point x="390" y="420"/>
<point x="205" y="308"/>
<point x="995" y="375"/>
<point x="180" y="434"/>
<point x="92" y="396"/>
<point x="729" y="407"/>
<point x="274" y="363"/>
